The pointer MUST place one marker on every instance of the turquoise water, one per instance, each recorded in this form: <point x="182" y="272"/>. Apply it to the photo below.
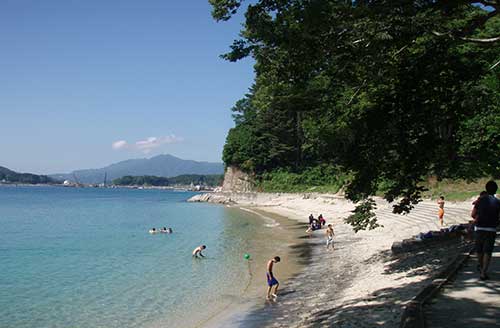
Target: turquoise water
<point x="72" y="257"/>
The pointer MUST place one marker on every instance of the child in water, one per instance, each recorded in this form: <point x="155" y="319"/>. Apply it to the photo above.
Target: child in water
<point x="197" y="251"/>
<point x="271" y="279"/>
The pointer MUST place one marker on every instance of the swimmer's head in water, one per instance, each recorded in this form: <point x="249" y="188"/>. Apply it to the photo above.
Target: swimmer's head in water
<point x="203" y="246"/>
<point x="277" y="258"/>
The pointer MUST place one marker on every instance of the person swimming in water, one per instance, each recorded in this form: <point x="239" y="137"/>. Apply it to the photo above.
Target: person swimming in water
<point x="164" y="230"/>
<point x="153" y="231"/>
<point x="197" y="251"/>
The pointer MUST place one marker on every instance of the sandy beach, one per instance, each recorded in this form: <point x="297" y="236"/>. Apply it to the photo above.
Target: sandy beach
<point x="359" y="284"/>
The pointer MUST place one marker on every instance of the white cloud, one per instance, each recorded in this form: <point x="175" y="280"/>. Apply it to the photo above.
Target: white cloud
<point x="119" y="144"/>
<point x="146" y="146"/>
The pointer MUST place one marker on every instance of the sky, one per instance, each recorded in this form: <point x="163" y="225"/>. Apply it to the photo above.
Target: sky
<point x="86" y="83"/>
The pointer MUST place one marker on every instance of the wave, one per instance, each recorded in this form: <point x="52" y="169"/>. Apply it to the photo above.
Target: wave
<point x="269" y="222"/>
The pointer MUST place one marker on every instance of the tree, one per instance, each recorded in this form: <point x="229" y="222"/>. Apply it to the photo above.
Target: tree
<point x="390" y="91"/>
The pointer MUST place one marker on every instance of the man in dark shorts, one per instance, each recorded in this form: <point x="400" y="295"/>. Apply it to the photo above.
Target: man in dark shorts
<point x="486" y="214"/>
<point x="271" y="280"/>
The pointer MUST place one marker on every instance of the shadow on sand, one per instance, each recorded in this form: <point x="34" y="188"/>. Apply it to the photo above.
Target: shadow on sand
<point x="312" y="299"/>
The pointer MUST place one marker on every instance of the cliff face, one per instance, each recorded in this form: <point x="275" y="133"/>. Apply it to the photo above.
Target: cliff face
<point x="236" y="180"/>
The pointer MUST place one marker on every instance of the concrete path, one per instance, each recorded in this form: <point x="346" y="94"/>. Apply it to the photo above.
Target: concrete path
<point x="467" y="301"/>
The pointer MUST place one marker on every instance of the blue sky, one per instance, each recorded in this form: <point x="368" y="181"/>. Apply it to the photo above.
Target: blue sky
<point x="85" y="83"/>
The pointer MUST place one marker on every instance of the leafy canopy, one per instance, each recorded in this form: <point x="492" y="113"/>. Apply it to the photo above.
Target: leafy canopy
<point x="390" y="92"/>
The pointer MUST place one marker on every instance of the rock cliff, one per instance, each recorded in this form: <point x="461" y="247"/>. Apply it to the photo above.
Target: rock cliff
<point x="235" y="180"/>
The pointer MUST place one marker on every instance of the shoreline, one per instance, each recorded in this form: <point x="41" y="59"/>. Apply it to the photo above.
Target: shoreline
<point x="254" y="297"/>
<point x="360" y="284"/>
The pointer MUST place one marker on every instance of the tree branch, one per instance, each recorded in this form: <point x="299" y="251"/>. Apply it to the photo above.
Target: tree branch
<point x="356" y="92"/>
<point x="481" y="40"/>
<point x="463" y="38"/>
<point x="495" y="65"/>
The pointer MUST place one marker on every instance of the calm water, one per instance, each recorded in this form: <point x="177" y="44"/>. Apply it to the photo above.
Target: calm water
<point x="83" y="258"/>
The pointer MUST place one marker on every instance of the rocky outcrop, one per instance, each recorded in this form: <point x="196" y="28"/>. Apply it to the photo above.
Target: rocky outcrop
<point x="217" y="198"/>
<point x="235" y="180"/>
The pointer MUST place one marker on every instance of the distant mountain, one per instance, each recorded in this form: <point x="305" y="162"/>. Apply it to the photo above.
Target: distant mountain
<point x="9" y="176"/>
<point x="161" y="166"/>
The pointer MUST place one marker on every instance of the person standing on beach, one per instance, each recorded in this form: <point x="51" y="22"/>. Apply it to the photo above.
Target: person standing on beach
<point x="486" y="215"/>
<point x="197" y="251"/>
<point x="329" y="236"/>
<point x="271" y="279"/>
<point x="440" y="203"/>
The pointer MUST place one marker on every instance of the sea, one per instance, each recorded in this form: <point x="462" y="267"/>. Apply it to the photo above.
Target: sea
<point x="83" y="257"/>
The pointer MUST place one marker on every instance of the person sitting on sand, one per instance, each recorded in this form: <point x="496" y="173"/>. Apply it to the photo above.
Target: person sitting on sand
<point x="440" y="203"/>
<point x="271" y="279"/>
<point x="329" y="236"/>
<point x="316" y="225"/>
<point x="322" y="220"/>
<point x="153" y="231"/>
<point x="197" y="251"/>
<point x="311" y="219"/>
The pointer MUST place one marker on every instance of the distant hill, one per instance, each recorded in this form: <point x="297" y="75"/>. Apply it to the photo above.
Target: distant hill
<point x="161" y="166"/>
<point x="212" y="180"/>
<point x="9" y="176"/>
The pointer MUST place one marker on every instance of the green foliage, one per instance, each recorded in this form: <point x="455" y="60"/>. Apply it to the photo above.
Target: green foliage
<point x="323" y="178"/>
<point x="144" y="180"/>
<point x="387" y="92"/>
<point x="363" y="217"/>
<point x="211" y="180"/>
<point x="9" y="176"/>
<point x="186" y="179"/>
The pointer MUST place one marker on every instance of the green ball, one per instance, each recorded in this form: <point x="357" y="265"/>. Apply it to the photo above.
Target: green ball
<point x="247" y="256"/>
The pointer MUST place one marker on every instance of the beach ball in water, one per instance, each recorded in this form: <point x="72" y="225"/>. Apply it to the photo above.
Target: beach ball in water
<point x="246" y="256"/>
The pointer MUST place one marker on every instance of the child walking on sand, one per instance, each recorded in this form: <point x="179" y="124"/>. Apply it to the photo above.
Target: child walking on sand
<point x="329" y="236"/>
<point x="271" y="280"/>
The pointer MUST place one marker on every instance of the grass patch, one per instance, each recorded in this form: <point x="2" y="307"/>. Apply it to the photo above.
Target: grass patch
<point x="329" y="179"/>
<point x="454" y="190"/>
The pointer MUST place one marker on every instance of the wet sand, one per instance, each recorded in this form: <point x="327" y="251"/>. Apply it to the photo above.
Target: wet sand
<point x="280" y="236"/>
